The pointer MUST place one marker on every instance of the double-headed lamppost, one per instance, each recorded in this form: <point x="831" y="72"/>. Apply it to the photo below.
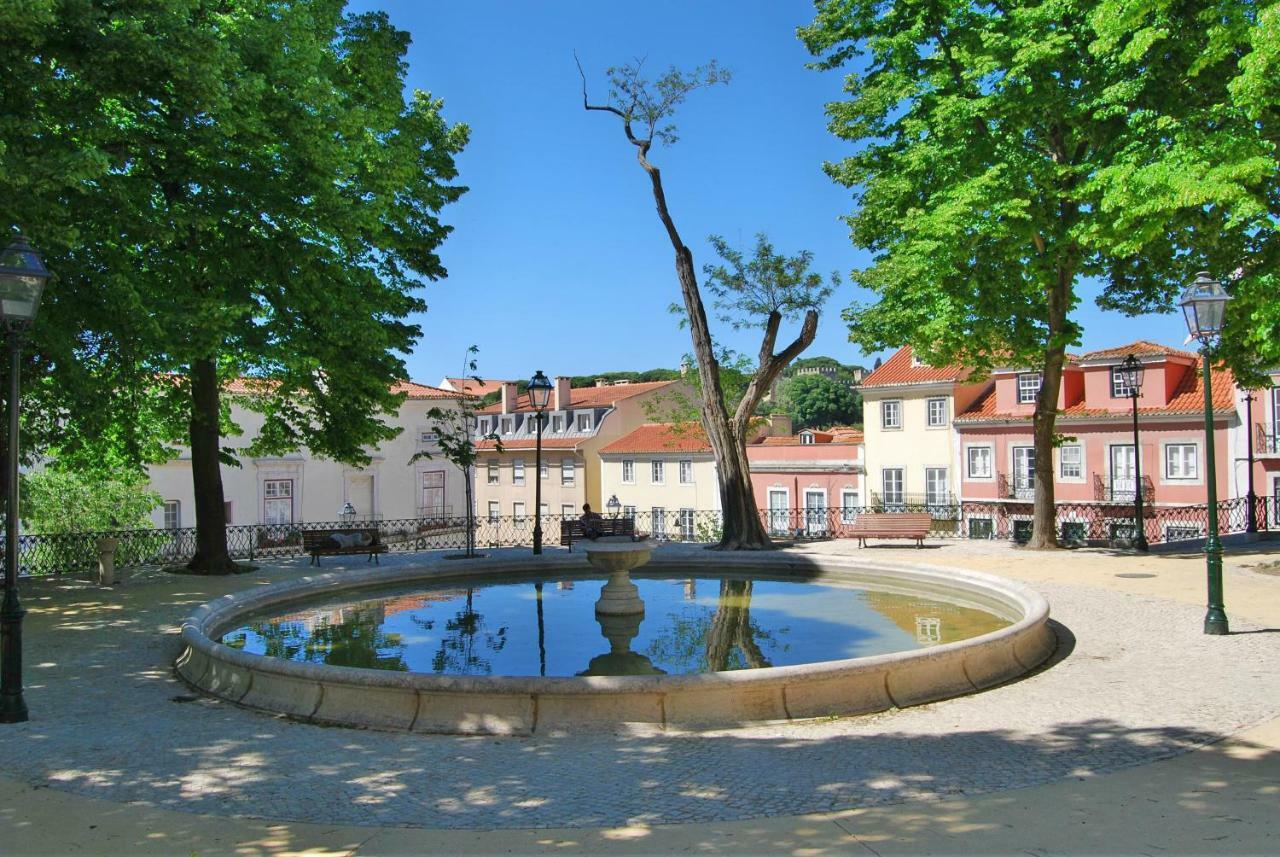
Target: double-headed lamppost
<point x="1131" y="372"/>
<point x="1203" y="304"/>
<point x="539" y="391"/>
<point x="22" y="279"/>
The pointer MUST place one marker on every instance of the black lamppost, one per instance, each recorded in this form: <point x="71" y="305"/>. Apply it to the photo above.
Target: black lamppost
<point x="1251" y="514"/>
<point x="1131" y="373"/>
<point x="1203" y="304"/>
<point x="539" y="390"/>
<point x="614" y="506"/>
<point x="347" y="513"/>
<point x="22" y="280"/>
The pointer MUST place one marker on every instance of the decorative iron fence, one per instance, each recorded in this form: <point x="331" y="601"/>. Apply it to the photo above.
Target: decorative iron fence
<point x="1076" y="523"/>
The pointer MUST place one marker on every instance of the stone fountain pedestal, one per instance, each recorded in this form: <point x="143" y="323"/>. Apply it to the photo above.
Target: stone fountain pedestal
<point x="616" y="556"/>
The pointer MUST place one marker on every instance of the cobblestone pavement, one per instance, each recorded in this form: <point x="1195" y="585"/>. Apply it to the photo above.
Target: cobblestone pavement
<point x="1134" y="681"/>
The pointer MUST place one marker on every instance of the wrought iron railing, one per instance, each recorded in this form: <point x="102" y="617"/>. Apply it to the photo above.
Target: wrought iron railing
<point x="1121" y="490"/>
<point x="1267" y="441"/>
<point x="1021" y="487"/>
<point x="1075" y="523"/>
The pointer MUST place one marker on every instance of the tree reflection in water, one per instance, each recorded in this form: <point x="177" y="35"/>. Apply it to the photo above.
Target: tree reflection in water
<point x="465" y="641"/>
<point x="349" y="637"/>
<point x="701" y="639"/>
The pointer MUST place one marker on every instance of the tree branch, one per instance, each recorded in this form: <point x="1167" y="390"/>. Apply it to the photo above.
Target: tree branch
<point x="770" y="366"/>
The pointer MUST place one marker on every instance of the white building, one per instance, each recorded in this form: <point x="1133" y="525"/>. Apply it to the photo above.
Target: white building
<point x="297" y="488"/>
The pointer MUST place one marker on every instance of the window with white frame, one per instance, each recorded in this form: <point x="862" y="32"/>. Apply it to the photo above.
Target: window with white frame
<point x="629" y="512"/>
<point x="584" y="421"/>
<point x="891" y="483"/>
<point x="495" y="511"/>
<point x="657" y="471"/>
<point x="172" y="515"/>
<point x="557" y="423"/>
<point x="628" y="471"/>
<point x="1180" y="461"/>
<point x="686" y="525"/>
<point x="508" y="424"/>
<point x="891" y="414"/>
<point x="517" y="511"/>
<point x="566" y="471"/>
<point x="1119" y="389"/>
<point x="979" y="458"/>
<point x="806" y="438"/>
<point x="492" y="468"/>
<point x="659" y="522"/>
<point x="544" y="469"/>
<point x="937" y="412"/>
<point x="277" y="501"/>
<point x="517" y="472"/>
<point x="935" y="486"/>
<point x="545" y="510"/>
<point x="566" y="511"/>
<point x="849" y="506"/>
<point x="429" y="437"/>
<point x="1028" y="387"/>
<point x="433" y="493"/>
<point x="1071" y="461"/>
<point x="686" y="472"/>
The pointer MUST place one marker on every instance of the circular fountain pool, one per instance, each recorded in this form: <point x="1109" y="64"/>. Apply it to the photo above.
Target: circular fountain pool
<point x="520" y="645"/>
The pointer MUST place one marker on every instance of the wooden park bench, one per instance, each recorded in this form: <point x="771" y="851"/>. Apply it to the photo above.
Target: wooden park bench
<point x="571" y="530"/>
<point x="348" y="540"/>
<point x="891" y="525"/>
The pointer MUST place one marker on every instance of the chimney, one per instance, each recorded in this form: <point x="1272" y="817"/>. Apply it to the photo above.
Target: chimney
<point x="562" y="392"/>
<point x="510" y="393"/>
<point x="780" y="424"/>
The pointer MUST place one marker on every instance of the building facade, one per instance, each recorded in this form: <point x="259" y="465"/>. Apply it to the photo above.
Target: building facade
<point x="1261" y="443"/>
<point x="812" y="481"/>
<point x="297" y="488"/>
<point x="662" y="475"/>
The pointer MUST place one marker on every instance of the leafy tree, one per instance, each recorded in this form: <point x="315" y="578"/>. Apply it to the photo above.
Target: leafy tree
<point x="252" y="196"/>
<point x="62" y="501"/>
<point x="763" y="292"/>
<point x="1005" y="152"/>
<point x="818" y="402"/>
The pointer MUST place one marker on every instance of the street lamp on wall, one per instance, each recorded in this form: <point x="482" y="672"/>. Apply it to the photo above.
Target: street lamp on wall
<point x="1203" y="304"/>
<point x="1131" y="375"/>
<point x="539" y="390"/>
<point x="22" y="280"/>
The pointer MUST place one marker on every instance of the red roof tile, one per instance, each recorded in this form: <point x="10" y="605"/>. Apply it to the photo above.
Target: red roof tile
<point x="838" y="436"/>
<point x="662" y="437"/>
<point x="1140" y="348"/>
<point x="588" y="397"/>
<point x="898" y="369"/>
<point x="531" y="443"/>
<point x="1187" y="399"/>
<point x="479" y="390"/>
<point x="412" y="390"/>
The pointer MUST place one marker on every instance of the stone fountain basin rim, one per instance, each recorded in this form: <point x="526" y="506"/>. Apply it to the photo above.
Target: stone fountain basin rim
<point x="1027" y="610"/>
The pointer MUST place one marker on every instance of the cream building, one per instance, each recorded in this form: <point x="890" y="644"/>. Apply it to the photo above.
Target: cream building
<point x="578" y="423"/>
<point x="912" y="453"/>
<point x="662" y="475"/>
<point x="298" y="488"/>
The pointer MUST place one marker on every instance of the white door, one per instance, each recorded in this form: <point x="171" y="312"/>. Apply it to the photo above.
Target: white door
<point x="1122" y="473"/>
<point x="778" y="512"/>
<point x="1024" y="471"/>
<point x="815" y="512"/>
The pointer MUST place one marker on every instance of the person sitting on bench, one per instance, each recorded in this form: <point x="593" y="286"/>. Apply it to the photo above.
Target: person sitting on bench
<point x="592" y="523"/>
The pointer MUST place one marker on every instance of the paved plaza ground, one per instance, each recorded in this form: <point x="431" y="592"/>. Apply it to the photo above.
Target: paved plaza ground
<point x="1141" y="736"/>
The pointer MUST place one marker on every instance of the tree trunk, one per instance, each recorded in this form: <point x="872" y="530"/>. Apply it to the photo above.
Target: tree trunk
<point x="1044" y="532"/>
<point x="211" y="555"/>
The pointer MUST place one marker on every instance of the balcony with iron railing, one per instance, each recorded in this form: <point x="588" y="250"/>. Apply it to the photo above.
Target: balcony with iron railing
<point x="1121" y="490"/>
<point x="1022" y="486"/>
<point x="940" y="504"/>
<point x="1267" y="442"/>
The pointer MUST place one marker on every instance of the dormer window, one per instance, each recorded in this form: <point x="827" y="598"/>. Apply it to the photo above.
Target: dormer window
<point x="557" y="423"/>
<point x="1029" y="387"/>
<point x="1120" y="388"/>
<point x="508" y="425"/>
<point x="584" y="421"/>
<point x="806" y="438"/>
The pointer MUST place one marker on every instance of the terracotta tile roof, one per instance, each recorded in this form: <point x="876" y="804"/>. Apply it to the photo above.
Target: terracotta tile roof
<point x="1139" y="349"/>
<point x="1187" y="399"/>
<point x="469" y="385"/>
<point x="898" y="369"/>
<point x="587" y="397"/>
<point x="412" y="390"/>
<point x="662" y="437"/>
<point x="531" y="443"/>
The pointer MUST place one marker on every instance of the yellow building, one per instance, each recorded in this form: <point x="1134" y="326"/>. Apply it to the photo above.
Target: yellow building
<point x="912" y="452"/>
<point x="662" y="475"/>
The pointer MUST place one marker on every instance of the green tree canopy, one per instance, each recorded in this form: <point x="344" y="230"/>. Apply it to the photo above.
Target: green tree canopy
<point x="815" y="401"/>
<point x="1006" y="151"/>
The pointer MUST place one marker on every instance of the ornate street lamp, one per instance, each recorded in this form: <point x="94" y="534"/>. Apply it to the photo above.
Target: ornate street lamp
<point x="22" y="280"/>
<point x="347" y="513"/>
<point x="614" y="506"/>
<point x="1203" y="304"/>
<point x="539" y="390"/>
<point x="1131" y="374"/>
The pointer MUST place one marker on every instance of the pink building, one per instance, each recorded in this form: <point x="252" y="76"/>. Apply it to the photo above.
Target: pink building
<point x="1096" y="464"/>
<point x="810" y="481"/>
<point x="1264" y="432"/>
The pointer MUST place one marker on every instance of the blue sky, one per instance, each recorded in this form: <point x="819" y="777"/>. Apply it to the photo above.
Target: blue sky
<point x="558" y="261"/>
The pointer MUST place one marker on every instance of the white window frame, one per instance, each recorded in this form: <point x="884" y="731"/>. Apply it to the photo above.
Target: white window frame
<point x="686" y="471"/>
<point x="271" y="493"/>
<point x="686" y="522"/>
<point x="929" y="404"/>
<point x="568" y="471"/>
<point x="658" y="522"/>
<point x="519" y="511"/>
<point x="657" y="472"/>
<point x="508" y="425"/>
<point x="517" y="471"/>
<point x="629" y="512"/>
<point x="628" y="471"/>
<point x="544" y="469"/>
<point x="1063" y="476"/>
<point x="779" y="517"/>
<point x="1026" y="391"/>
<point x="172" y="514"/>
<point x="567" y="511"/>
<point x="902" y="486"/>
<point x="495" y="511"/>
<point x="850" y="505"/>
<point x="815" y="514"/>
<point x="990" y="451"/>
<point x="582" y="421"/>
<point x="433" y="476"/>
<point x="1119" y="390"/>
<point x="1029" y="454"/>
<point x="893" y="406"/>
<point x="1191" y="478"/>
<point x="806" y="438"/>
<point x="942" y="500"/>
<point x="493" y="472"/>
<point x="557" y="423"/>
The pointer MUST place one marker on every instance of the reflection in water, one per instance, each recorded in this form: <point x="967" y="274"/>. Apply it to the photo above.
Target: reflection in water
<point x="691" y="626"/>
